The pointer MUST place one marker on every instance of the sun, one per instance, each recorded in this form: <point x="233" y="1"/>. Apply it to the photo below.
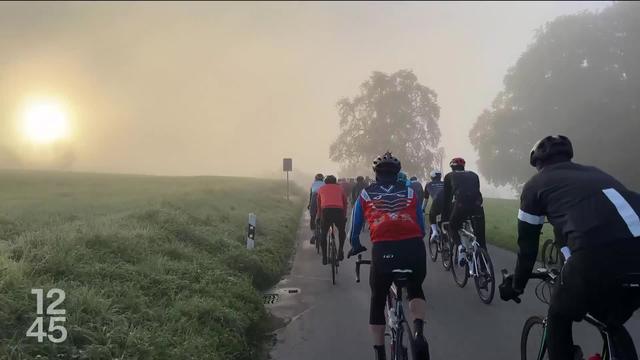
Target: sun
<point x="45" y="122"/>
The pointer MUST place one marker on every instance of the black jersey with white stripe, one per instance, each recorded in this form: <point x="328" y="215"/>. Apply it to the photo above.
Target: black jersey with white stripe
<point x="586" y="205"/>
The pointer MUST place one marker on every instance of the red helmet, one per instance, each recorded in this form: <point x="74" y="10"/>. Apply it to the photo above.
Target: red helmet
<point x="457" y="162"/>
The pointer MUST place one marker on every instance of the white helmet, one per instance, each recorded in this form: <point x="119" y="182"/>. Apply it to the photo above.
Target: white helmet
<point x="435" y="174"/>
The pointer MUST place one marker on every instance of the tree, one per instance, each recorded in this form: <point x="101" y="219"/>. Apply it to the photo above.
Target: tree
<point x="392" y="112"/>
<point x="580" y="78"/>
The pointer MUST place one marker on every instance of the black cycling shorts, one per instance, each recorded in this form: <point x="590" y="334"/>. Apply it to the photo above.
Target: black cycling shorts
<point x="387" y="256"/>
<point x="590" y="283"/>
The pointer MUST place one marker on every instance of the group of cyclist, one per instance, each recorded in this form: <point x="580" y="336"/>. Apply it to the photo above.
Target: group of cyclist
<point x="593" y="213"/>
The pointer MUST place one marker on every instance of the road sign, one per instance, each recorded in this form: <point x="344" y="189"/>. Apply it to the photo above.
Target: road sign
<point x="287" y="164"/>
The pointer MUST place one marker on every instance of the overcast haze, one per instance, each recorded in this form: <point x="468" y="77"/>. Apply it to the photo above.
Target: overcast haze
<point x="231" y="88"/>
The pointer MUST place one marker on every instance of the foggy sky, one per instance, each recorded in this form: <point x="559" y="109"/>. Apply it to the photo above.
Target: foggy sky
<point x="232" y="88"/>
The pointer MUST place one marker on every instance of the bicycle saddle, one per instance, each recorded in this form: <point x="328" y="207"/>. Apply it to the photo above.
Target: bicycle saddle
<point x="630" y="280"/>
<point x="401" y="276"/>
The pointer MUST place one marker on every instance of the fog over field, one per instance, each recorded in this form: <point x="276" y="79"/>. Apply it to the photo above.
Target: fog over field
<point x="232" y="88"/>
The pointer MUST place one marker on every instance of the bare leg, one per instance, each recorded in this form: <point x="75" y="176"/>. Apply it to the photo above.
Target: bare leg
<point x="418" y="308"/>
<point x="377" y="331"/>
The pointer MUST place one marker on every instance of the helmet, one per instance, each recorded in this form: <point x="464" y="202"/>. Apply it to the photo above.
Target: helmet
<point x="330" y="179"/>
<point x="457" y="162"/>
<point x="359" y="179"/>
<point x="386" y="163"/>
<point x="435" y="174"/>
<point x="319" y="177"/>
<point x="550" y="146"/>
<point x="414" y="178"/>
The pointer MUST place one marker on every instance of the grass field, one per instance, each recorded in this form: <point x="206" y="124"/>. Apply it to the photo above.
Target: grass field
<point x="152" y="267"/>
<point x="502" y="223"/>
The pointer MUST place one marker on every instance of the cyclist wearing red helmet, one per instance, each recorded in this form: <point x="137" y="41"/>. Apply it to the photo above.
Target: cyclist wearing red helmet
<point x="463" y="200"/>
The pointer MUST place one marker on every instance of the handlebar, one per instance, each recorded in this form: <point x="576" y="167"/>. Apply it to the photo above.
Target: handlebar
<point x="543" y="274"/>
<point x="358" y="263"/>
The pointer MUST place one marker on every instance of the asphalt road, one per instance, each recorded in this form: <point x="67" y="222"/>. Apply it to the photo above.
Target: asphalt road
<point x="325" y="321"/>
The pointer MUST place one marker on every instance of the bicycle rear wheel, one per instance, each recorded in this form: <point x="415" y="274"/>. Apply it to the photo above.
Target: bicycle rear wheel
<point x="433" y="249"/>
<point x="460" y="273"/>
<point x="333" y="260"/>
<point x="406" y="350"/>
<point x="533" y="343"/>
<point x="318" y="233"/>
<point x="551" y="255"/>
<point x="485" y="279"/>
<point x="447" y="250"/>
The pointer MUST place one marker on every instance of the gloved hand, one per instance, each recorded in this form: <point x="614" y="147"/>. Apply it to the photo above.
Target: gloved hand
<point x="355" y="251"/>
<point x="507" y="292"/>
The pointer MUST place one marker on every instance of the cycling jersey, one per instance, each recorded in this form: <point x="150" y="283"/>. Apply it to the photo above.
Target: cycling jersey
<point x="314" y="189"/>
<point x="597" y="217"/>
<point x="587" y="206"/>
<point x="357" y="189"/>
<point x="331" y="196"/>
<point x="417" y="188"/>
<point x="433" y="189"/>
<point x="462" y="187"/>
<point x="391" y="211"/>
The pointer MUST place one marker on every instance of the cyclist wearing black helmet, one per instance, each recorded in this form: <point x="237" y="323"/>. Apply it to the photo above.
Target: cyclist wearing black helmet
<point x="597" y="217"/>
<point x="317" y="183"/>
<point x="396" y="226"/>
<point x="434" y="189"/>
<point x="462" y="201"/>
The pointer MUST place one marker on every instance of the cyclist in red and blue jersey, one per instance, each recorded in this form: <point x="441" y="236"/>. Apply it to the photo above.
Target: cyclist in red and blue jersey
<point x="396" y="226"/>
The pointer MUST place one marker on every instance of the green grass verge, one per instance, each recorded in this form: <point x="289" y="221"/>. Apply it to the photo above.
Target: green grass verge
<point x="501" y="218"/>
<point x="152" y="267"/>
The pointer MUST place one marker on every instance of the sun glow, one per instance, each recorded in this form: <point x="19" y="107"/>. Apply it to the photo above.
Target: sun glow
<point x="45" y="122"/>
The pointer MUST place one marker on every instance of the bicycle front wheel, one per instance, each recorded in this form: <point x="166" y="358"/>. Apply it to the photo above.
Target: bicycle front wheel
<point x="533" y="344"/>
<point x="485" y="279"/>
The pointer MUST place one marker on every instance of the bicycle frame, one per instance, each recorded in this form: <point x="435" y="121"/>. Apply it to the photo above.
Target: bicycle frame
<point x="608" y="339"/>
<point x="395" y="313"/>
<point x="602" y="329"/>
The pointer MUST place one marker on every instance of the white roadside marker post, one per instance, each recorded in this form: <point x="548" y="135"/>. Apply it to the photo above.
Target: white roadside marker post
<point x="251" y="232"/>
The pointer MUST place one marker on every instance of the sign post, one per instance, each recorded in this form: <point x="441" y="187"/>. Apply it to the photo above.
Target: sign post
<point x="287" y="166"/>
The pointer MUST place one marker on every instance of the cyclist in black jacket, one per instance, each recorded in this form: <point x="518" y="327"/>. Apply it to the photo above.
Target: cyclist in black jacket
<point x="597" y="218"/>
<point x="462" y="201"/>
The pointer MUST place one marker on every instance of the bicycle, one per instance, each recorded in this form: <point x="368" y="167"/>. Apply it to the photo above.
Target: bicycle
<point x="552" y="255"/>
<point x="402" y="342"/>
<point x="442" y="244"/>
<point x="333" y="254"/>
<point x="478" y="265"/>
<point x="317" y="233"/>
<point x="617" y="343"/>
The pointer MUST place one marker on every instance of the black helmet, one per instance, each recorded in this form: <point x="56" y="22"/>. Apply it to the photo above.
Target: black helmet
<point x="359" y="179"/>
<point x="550" y="146"/>
<point x="319" y="177"/>
<point x="387" y="163"/>
<point x="330" y="179"/>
